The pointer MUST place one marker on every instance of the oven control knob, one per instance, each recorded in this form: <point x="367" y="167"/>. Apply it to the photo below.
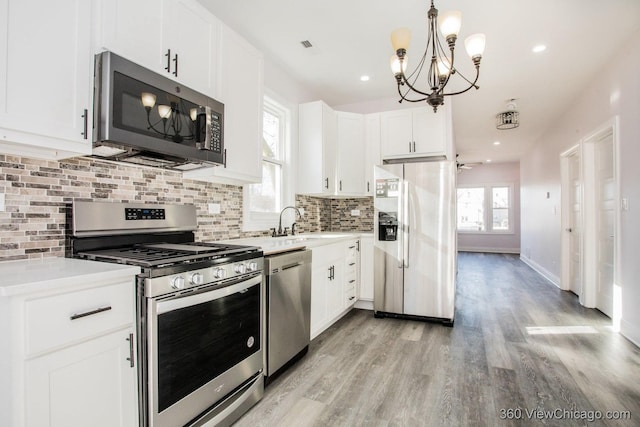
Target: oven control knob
<point x="252" y="266"/>
<point x="196" y="279"/>
<point x="177" y="282"/>
<point x="219" y="273"/>
<point x="240" y="268"/>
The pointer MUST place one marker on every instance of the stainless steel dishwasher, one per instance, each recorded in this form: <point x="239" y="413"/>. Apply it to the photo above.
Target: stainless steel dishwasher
<point x="288" y="289"/>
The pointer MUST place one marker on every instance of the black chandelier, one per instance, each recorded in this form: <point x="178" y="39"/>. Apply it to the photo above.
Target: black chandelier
<point x="440" y="62"/>
<point x="172" y="118"/>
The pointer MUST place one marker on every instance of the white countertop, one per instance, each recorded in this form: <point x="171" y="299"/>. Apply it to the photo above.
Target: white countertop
<point x="274" y="245"/>
<point x="26" y="276"/>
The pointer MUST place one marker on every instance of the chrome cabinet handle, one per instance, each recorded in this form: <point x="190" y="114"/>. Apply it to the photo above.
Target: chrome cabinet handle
<point x="414" y="146"/>
<point x="409" y="146"/>
<point x="340" y="185"/>
<point x="224" y="158"/>
<point x="85" y="116"/>
<point x="326" y="183"/>
<point x="368" y="187"/>
<point x="89" y="313"/>
<point x="130" y="358"/>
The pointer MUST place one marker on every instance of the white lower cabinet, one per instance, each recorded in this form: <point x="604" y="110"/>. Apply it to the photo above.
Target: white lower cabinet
<point x="71" y="358"/>
<point x="92" y="383"/>
<point x="365" y="294"/>
<point x="334" y="280"/>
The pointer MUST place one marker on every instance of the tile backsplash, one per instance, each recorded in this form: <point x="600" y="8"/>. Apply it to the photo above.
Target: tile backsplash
<point x="38" y="196"/>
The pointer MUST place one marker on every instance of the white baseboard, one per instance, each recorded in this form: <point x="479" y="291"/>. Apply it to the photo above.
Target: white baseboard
<point x="489" y="250"/>
<point x="630" y="332"/>
<point x="364" y="304"/>
<point x="541" y="270"/>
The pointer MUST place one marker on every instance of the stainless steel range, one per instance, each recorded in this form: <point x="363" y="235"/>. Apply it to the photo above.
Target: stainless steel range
<point x="200" y="310"/>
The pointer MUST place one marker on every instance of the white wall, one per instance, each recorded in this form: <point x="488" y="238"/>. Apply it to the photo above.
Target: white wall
<point x="498" y="173"/>
<point x="614" y="91"/>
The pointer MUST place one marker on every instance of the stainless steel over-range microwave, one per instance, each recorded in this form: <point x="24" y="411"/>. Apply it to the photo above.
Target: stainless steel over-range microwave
<point x="145" y="118"/>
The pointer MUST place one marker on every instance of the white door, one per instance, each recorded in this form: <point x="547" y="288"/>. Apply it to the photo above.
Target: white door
<point x="575" y="224"/>
<point x="428" y="132"/>
<point x="605" y="204"/>
<point x="396" y="133"/>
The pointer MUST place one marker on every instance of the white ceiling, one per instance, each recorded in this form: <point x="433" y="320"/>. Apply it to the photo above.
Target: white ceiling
<point x="351" y="38"/>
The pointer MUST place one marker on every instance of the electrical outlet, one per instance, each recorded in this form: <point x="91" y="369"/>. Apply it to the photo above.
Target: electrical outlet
<point x="214" y="208"/>
<point x="625" y="204"/>
<point x="301" y="211"/>
<point x="355" y="212"/>
<point x="2" y="206"/>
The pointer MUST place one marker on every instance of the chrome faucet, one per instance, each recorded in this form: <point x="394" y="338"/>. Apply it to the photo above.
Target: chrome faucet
<point x="280" y="232"/>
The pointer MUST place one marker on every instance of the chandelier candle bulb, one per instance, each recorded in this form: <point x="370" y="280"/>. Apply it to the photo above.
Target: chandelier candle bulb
<point x="148" y="100"/>
<point x="400" y="39"/>
<point x="475" y="46"/>
<point x="164" y="111"/>
<point x="450" y="23"/>
<point x="398" y="66"/>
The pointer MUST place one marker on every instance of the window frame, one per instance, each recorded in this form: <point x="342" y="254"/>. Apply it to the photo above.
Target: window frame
<point x="488" y="208"/>
<point x="259" y="221"/>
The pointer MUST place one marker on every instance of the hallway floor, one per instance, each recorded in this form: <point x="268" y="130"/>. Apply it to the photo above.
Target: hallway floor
<point x="522" y="352"/>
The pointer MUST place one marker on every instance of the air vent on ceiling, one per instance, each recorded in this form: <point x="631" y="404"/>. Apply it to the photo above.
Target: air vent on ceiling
<point x="306" y="43"/>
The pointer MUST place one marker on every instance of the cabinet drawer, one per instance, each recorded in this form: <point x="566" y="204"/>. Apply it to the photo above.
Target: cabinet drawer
<point x="62" y="319"/>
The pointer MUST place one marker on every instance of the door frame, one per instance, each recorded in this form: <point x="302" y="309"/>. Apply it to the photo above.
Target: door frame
<point x="565" y="217"/>
<point x="591" y="226"/>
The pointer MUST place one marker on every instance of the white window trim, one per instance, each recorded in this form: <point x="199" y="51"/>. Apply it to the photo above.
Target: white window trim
<point x="488" y="208"/>
<point x="261" y="221"/>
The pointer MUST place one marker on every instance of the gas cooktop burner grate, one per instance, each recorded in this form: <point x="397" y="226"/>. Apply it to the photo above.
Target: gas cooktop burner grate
<point x="154" y="255"/>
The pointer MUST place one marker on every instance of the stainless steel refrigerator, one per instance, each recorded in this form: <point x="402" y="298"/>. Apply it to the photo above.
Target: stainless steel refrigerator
<point x="415" y="241"/>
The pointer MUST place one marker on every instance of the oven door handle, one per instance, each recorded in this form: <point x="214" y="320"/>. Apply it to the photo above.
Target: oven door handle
<point x="199" y="298"/>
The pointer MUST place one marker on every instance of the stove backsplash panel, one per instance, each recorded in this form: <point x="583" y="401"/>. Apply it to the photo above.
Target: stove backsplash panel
<point x="38" y="196"/>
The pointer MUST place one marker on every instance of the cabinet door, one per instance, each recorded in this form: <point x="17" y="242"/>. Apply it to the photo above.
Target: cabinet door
<point x="429" y="132"/>
<point x="46" y="70"/>
<point x="91" y="383"/>
<point x="372" y="150"/>
<point x="132" y="29"/>
<point x="319" y="285"/>
<point x="351" y="153"/>
<point x="190" y="32"/>
<point x="366" y="268"/>
<point x="396" y="133"/>
<point x="335" y="287"/>
<point x="241" y="91"/>
<point x="329" y="149"/>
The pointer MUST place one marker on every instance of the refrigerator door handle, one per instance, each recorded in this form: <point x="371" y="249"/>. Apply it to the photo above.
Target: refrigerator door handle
<point x="405" y="224"/>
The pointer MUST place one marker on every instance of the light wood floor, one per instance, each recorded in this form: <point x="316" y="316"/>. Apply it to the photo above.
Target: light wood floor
<point x="388" y="372"/>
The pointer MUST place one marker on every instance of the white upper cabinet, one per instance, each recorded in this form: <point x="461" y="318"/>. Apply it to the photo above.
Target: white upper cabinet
<point x="416" y="133"/>
<point x="175" y="38"/>
<point x="241" y="91"/>
<point x="351" y="151"/>
<point x="317" y="149"/>
<point x="372" y="150"/>
<point x="46" y="78"/>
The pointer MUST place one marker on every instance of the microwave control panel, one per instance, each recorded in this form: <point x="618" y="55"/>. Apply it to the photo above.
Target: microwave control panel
<point x="216" y="132"/>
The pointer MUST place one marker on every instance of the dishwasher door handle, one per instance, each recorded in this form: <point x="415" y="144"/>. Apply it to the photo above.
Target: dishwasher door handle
<point x="295" y="264"/>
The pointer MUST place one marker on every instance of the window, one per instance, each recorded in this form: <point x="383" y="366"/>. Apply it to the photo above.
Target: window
<point x="264" y="201"/>
<point x="485" y="209"/>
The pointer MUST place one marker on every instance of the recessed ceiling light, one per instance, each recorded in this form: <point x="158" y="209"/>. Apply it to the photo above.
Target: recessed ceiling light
<point x="364" y="78"/>
<point x="488" y="160"/>
<point x="496" y="142"/>
<point x="539" y="48"/>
